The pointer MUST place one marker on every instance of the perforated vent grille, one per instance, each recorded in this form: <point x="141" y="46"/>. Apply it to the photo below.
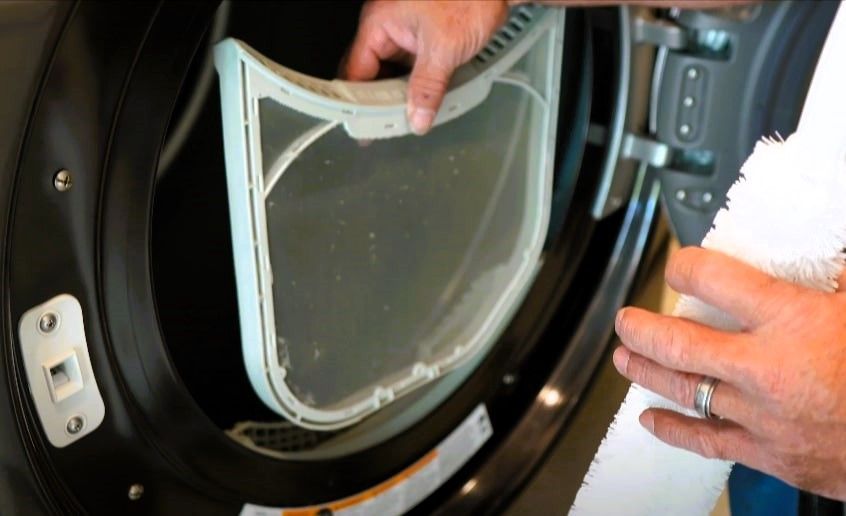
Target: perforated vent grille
<point x="517" y="24"/>
<point x="281" y="436"/>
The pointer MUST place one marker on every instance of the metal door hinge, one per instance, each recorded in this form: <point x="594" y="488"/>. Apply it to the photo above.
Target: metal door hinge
<point x="635" y="147"/>
<point x="631" y="115"/>
<point x="661" y="33"/>
<point x="652" y="152"/>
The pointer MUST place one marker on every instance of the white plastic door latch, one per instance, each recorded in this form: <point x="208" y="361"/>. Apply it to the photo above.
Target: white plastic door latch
<point x="58" y="369"/>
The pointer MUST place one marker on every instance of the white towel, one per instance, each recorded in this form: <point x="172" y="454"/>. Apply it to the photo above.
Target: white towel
<point x="786" y="215"/>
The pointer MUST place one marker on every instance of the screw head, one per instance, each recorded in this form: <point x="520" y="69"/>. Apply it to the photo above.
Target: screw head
<point x="689" y="101"/>
<point x="136" y="491"/>
<point x="49" y="322"/>
<point x="509" y="379"/>
<point x="707" y="197"/>
<point x="685" y="129"/>
<point x="681" y="195"/>
<point x="62" y="181"/>
<point x="75" y="425"/>
<point x="692" y="73"/>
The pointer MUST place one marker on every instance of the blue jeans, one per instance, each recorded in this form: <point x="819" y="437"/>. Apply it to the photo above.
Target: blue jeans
<point x="752" y="493"/>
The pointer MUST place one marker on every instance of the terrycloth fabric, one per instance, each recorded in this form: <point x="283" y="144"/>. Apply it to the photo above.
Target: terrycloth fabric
<point x="786" y="215"/>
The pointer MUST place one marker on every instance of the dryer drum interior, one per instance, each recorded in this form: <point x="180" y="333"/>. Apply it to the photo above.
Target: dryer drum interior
<point x="442" y="203"/>
<point x="134" y="236"/>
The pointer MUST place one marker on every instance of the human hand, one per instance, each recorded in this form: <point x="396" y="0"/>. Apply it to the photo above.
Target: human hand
<point x="439" y="36"/>
<point x="783" y="376"/>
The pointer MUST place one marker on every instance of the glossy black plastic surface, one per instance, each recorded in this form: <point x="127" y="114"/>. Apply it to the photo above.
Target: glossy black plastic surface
<point x="27" y="38"/>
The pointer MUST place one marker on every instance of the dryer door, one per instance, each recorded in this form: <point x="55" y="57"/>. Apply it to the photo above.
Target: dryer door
<point x="764" y="55"/>
<point x="722" y="79"/>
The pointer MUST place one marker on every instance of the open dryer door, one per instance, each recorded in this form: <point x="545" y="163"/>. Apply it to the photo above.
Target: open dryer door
<point x="765" y="55"/>
<point x="721" y="80"/>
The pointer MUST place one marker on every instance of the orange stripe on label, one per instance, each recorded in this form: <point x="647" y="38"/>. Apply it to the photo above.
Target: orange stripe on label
<point x="368" y="494"/>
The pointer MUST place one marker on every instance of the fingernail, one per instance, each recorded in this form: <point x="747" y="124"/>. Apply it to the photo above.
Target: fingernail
<point x="621" y="359"/>
<point x="421" y="120"/>
<point x="618" y="319"/>
<point x="647" y="420"/>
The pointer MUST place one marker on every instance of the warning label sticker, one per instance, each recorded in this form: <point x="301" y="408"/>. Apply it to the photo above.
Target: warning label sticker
<point x="398" y="494"/>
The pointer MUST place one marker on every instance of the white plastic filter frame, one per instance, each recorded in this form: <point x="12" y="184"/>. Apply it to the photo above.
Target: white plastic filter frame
<point x="371" y="110"/>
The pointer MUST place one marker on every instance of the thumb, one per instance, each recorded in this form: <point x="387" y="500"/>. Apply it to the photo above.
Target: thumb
<point x="426" y="89"/>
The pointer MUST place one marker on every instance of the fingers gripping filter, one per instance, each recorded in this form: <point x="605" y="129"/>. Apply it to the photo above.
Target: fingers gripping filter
<point x="365" y="272"/>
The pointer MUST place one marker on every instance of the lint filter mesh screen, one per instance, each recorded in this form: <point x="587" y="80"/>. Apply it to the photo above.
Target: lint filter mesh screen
<point x="391" y="252"/>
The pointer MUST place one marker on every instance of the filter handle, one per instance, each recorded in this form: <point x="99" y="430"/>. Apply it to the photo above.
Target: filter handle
<point x="377" y="109"/>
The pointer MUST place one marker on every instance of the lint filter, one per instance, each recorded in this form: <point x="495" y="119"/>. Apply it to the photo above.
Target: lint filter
<point x="371" y="262"/>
